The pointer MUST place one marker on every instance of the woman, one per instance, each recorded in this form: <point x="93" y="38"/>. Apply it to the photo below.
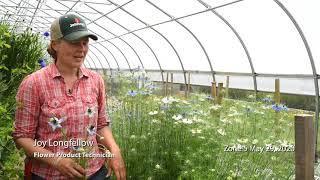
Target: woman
<point x="61" y="111"/>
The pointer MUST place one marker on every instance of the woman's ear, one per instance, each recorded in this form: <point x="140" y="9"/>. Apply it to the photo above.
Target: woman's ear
<point x="55" y="45"/>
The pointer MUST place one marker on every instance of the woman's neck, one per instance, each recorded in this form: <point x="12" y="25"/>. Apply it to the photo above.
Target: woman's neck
<point x="66" y="71"/>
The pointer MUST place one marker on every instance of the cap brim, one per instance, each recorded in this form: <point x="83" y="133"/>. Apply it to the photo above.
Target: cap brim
<point x="78" y="35"/>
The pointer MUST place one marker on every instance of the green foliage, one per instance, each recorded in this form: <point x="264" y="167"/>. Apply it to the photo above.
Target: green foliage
<point x="19" y="54"/>
<point x="172" y="138"/>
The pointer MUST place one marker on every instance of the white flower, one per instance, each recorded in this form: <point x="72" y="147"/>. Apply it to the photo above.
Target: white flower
<point x="133" y="136"/>
<point x="250" y="96"/>
<point x="255" y="141"/>
<point x="177" y="118"/>
<point x="185" y="102"/>
<point x="197" y="120"/>
<point x="168" y="100"/>
<point x="187" y="121"/>
<point x="283" y="143"/>
<point x="154" y="121"/>
<point x="221" y="132"/>
<point x="196" y="131"/>
<point x="242" y="141"/>
<point x="226" y="121"/>
<point x="55" y="123"/>
<point x="215" y="107"/>
<point x="153" y="113"/>
<point x="158" y="166"/>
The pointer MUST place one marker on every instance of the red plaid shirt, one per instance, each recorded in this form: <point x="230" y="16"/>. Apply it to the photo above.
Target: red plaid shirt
<point x="43" y="95"/>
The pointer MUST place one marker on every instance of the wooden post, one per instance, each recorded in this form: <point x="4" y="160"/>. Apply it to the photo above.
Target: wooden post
<point x="171" y="89"/>
<point x="189" y="84"/>
<point x="214" y="91"/>
<point x="227" y="87"/>
<point x="220" y="94"/>
<point x="166" y="90"/>
<point x="277" y="91"/>
<point x="304" y="147"/>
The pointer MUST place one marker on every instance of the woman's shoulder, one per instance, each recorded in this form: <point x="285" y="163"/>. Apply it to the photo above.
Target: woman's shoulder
<point x="37" y="75"/>
<point x="91" y="73"/>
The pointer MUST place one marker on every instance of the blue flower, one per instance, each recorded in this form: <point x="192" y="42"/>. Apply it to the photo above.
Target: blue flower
<point x="144" y="93"/>
<point x="267" y="99"/>
<point x="90" y="112"/>
<point x="209" y="97"/>
<point x="151" y="86"/>
<point x="279" y="107"/>
<point x="91" y="130"/>
<point x="164" y="107"/>
<point x="55" y="123"/>
<point x="46" y="34"/>
<point x="42" y="63"/>
<point x="132" y="93"/>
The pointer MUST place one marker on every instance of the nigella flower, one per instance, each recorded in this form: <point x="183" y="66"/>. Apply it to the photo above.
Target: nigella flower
<point x="78" y="148"/>
<point x="279" y="107"/>
<point x="209" y="98"/>
<point x="91" y="130"/>
<point x="221" y="132"/>
<point x="42" y="63"/>
<point x="153" y="113"/>
<point x="164" y="107"/>
<point x="151" y="87"/>
<point x="90" y="112"/>
<point x="178" y="117"/>
<point x="144" y="93"/>
<point x="55" y="123"/>
<point x="46" y="34"/>
<point x="132" y="93"/>
<point x="249" y="109"/>
<point x="267" y="100"/>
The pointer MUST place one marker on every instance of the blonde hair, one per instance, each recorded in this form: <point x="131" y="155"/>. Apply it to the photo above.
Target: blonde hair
<point x="52" y="52"/>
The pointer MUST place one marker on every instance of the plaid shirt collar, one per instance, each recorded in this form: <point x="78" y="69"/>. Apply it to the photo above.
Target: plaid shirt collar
<point x="54" y="72"/>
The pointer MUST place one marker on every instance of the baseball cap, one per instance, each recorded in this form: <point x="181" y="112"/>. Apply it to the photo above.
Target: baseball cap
<point x="70" y="27"/>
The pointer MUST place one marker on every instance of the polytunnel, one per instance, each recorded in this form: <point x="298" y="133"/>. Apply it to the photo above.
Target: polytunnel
<point x="249" y="43"/>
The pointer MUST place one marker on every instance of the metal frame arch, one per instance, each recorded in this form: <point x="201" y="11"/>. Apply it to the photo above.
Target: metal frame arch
<point x="92" y="45"/>
<point x="136" y="36"/>
<point x="89" y="49"/>
<point x="121" y="53"/>
<point x="314" y="71"/>
<point x="182" y="67"/>
<point x="88" y="60"/>
<point x="94" y="64"/>
<point x="98" y="60"/>
<point x="254" y="74"/>
<point x="17" y="5"/>
<point x="100" y="36"/>
<point x="114" y="34"/>
<point x="193" y="35"/>
<point x="111" y="54"/>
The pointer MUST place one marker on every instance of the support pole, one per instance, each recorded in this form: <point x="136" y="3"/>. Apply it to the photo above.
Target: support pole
<point x="227" y="87"/>
<point x="277" y="92"/>
<point x="171" y="91"/>
<point x="304" y="147"/>
<point x="220" y="93"/>
<point x="214" y="92"/>
<point x="189" y="85"/>
<point x="167" y="81"/>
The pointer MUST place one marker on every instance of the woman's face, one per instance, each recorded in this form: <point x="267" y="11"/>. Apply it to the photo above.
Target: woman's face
<point x="71" y="54"/>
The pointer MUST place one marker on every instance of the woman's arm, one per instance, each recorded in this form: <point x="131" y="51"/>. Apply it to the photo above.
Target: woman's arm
<point x="66" y="166"/>
<point x="116" y="163"/>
